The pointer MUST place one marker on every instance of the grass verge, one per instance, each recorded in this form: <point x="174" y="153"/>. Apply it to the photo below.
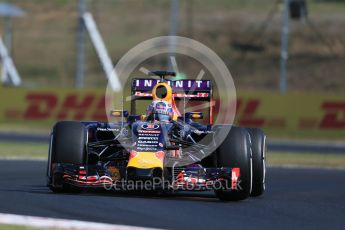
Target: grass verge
<point x="26" y="128"/>
<point x="16" y="227"/>
<point x="24" y="150"/>
<point x="27" y="150"/>
<point x="306" y="159"/>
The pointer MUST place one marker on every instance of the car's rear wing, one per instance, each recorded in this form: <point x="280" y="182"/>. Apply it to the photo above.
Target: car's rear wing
<point x="193" y="90"/>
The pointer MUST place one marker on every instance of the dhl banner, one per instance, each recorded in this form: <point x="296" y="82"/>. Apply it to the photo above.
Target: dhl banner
<point x="307" y="115"/>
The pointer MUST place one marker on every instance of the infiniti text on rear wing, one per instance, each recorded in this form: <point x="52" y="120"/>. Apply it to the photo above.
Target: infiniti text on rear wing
<point x="200" y="90"/>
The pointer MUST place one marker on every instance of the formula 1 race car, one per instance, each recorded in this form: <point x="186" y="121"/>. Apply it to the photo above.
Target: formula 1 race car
<point x="161" y="150"/>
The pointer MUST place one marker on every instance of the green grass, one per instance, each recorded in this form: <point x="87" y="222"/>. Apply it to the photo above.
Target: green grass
<point x="27" y="150"/>
<point x="306" y="159"/>
<point x="16" y="227"/>
<point x="26" y="128"/>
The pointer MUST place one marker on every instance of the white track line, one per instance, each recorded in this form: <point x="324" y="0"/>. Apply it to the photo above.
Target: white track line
<point x="43" y="222"/>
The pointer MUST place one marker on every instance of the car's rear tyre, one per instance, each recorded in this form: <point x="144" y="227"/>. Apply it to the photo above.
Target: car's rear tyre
<point x="235" y="152"/>
<point x="67" y="146"/>
<point x="258" y="143"/>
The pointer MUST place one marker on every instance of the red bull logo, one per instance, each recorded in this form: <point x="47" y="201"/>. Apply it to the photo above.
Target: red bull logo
<point x="161" y="105"/>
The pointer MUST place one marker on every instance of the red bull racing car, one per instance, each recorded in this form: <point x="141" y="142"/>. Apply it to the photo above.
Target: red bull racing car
<point x="160" y="150"/>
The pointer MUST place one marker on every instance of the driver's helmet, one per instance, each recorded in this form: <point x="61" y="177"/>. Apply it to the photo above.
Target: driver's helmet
<point x="161" y="106"/>
<point x="161" y="109"/>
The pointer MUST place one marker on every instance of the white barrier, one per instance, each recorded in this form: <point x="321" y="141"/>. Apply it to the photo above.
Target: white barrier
<point x="9" y="66"/>
<point x="102" y="52"/>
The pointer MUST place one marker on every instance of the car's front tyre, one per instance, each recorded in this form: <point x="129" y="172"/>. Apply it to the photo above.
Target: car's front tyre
<point x="258" y="144"/>
<point x="235" y="152"/>
<point x="67" y="146"/>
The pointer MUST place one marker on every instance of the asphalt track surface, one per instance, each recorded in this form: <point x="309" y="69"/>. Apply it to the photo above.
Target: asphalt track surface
<point x="295" y="199"/>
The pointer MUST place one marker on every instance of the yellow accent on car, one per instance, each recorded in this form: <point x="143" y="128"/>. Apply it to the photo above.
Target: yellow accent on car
<point x="168" y="88"/>
<point x="145" y="160"/>
<point x="196" y="115"/>
<point x="116" y="113"/>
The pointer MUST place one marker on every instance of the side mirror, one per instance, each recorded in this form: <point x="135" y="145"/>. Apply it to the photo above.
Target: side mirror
<point x="119" y="113"/>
